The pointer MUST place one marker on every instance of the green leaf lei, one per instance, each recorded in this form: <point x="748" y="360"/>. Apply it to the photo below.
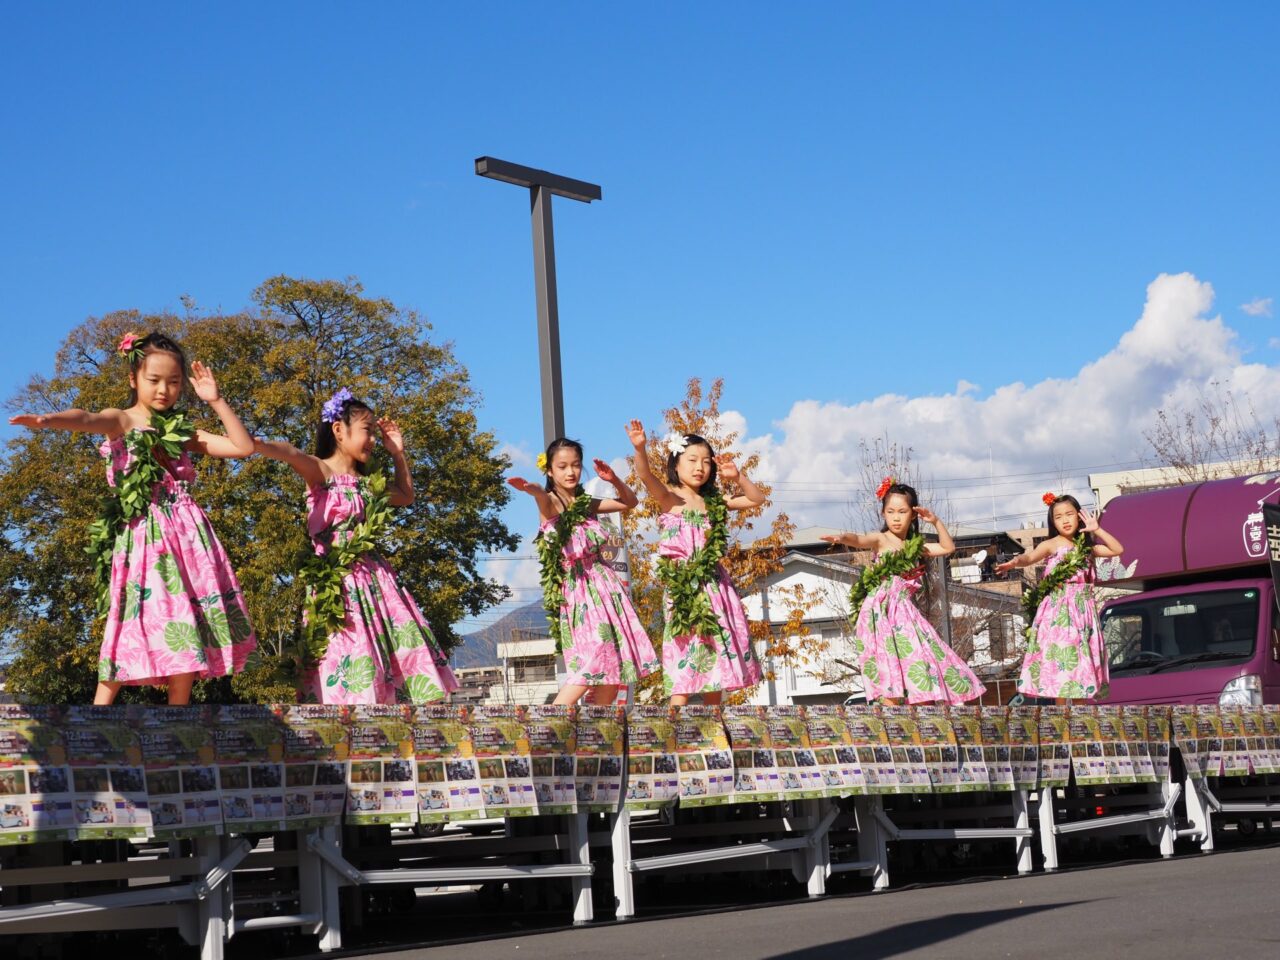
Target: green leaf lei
<point x="684" y="580"/>
<point x="322" y="574"/>
<point x="1077" y="558"/>
<point x="896" y="564"/>
<point x="131" y="496"/>
<point x="550" y="547"/>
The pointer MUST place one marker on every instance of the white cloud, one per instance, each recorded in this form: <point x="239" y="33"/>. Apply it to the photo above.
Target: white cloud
<point x="1056" y="429"/>
<point x="1257" y="307"/>
<point x="518" y="454"/>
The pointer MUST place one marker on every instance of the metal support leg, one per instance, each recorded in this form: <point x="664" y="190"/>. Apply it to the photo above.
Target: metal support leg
<point x="213" y="909"/>
<point x="623" y="885"/>
<point x="1168" y="827"/>
<point x="1200" y="813"/>
<point x="1048" y="836"/>
<point x="817" y="855"/>
<point x="1022" y="820"/>
<point x="872" y="842"/>
<point x="580" y="851"/>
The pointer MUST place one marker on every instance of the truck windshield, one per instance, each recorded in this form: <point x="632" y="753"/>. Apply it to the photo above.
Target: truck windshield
<point x="1180" y="632"/>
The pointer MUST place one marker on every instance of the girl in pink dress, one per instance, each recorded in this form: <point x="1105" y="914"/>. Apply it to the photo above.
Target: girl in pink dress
<point x="377" y="647"/>
<point x="898" y="652"/>
<point x="588" y="605"/>
<point x="706" y="641"/>
<point x="174" y="609"/>
<point x="1066" y="658"/>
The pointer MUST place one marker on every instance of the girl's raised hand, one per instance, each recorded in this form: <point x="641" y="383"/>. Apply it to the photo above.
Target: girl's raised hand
<point x="927" y="515"/>
<point x="203" y="384"/>
<point x="728" y="469"/>
<point x="834" y="538"/>
<point x="34" y="421"/>
<point x="1005" y="567"/>
<point x="391" y="437"/>
<point x="604" y="471"/>
<point x="523" y="485"/>
<point x="636" y="434"/>
<point x="1088" y="521"/>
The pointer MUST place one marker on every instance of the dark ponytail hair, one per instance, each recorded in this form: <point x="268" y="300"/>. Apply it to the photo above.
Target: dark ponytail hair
<point x="693" y="440"/>
<point x="1053" y="528"/>
<point x="913" y="501"/>
<point x="560" y="443"/>
<point x="327" y="442"/>
<point x="155" y="342"/>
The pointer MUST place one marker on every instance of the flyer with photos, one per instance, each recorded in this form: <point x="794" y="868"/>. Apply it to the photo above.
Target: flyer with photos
<point x="181" y="773"/>
<point x="1184" y="720"/>
<point x="602" y="734"/>
<point x="1137" y="733"/>
<point x="871" y="744"/>
<point x="941" y="751"/>
<point x="1235" y="748"/>
<point x="248" y="743"/>
<point x="448" y="783"/>
<point x="797" y="763"/>
<point x="1210" y="734"/>
<point x="108" y="782"/>
<point x="997" y="749"/>
<point x="316" y="750"/>
<point x="1024" y="746"/>
<point x="500" y="738"/>
<point x="974" y="775"/>
<point x="833" y="746"/>
<point x="703" y="756"/>
<point x="756" y="776"/>
<point x="381" y="781"/>
<point x="553" y="741"/>
<point x="36" y="801"/>
<point x="1054" y="738"/>
<point x="652" y="777"/>
<point x="908" y="753"/>
<point x="1159" y="731"/>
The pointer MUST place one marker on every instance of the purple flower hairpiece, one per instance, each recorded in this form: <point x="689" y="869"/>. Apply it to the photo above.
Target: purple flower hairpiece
<point x="332" y="410"/>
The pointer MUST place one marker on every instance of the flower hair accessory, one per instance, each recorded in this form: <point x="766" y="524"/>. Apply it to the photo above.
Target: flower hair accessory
<point x="332" y="410"/>
<point x="541" y="462"/>
<point x="675" y="442"/>
<point x="129" y="349"/>
<point x="881" y="490"/>
<point x="1048" y="499"/>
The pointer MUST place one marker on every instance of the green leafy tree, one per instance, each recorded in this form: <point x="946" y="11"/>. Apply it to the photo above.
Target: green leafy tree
<point x="276" y="364"/>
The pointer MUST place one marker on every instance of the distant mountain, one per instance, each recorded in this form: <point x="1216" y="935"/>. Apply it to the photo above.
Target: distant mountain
<point x="480" y="649"/>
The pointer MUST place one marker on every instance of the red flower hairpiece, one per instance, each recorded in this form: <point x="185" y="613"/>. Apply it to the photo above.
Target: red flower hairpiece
<point x="885" y="484"/>
<point x="129" y="349"/>
<point x="1048" y="499"/>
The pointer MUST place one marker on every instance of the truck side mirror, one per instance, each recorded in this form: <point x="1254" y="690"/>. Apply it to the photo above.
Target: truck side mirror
<point x="1275" y="643"/>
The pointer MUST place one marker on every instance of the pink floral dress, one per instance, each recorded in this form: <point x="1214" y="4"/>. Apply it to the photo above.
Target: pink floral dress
<point x="605" y="642"/>
<point x="176" y="606"/>
<point x="385" y="648"/>
<point x="702" y="664"/>
<point x="900" y="654"/>
<point x="1065" y="655"/>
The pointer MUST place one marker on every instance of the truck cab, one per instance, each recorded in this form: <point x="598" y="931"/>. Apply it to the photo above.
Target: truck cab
<point x="1201" y="623"/>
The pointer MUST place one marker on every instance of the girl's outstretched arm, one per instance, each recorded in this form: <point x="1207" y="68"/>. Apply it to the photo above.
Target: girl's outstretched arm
<point x="1110" y="546"/>
<point x="945" y="545"/>
<point x="659" y="491"/>
<point x="1028" y="559"/>
<point x="859" y="541"/>
<point x="626" y="499"/>
<point x="237" y="442"/>
<point x="111" y="422"/>
<point x="546" y="506"/>
<point x="751" y="496"/>
<point x="309" y="468"/>
<point x="401" y="494"/>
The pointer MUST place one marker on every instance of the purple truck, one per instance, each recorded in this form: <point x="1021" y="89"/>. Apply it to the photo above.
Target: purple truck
<point x="1203" y="627"/>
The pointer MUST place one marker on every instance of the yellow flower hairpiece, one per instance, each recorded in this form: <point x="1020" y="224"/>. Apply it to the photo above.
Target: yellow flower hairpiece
<point x="541" y="462"/>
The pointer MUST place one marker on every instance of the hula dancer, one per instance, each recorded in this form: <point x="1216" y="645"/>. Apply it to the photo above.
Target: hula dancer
<point x="706" y="643"/>
<point x="1066" y="657"/>
<point x="365" y="639"/>
<point x="898" y="651"/>
<point x="588" y="606"/>
<point x="174" y="609"/>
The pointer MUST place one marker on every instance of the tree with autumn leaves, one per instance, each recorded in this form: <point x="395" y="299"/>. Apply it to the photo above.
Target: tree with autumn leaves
<point x="276" y="365"/>
<point x="749" y="559"/>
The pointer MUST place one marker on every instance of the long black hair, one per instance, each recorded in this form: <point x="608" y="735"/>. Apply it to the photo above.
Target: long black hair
<point x="913" y="501"/>
<point x="327" y="441"/>
<point x="1053" y="527"/>
<point x="693" y="440"/>
<point x="556" y="445"/>
<point x="155" y="342"/>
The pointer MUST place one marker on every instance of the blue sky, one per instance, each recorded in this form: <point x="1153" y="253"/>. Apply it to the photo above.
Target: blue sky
<point x="826" y="202"/>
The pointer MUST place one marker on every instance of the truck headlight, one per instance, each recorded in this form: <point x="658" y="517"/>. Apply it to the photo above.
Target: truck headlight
<point x="1243" y="691"/>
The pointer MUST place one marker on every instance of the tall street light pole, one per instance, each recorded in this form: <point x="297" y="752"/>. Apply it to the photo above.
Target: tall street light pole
<point x="542" y="187"/>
